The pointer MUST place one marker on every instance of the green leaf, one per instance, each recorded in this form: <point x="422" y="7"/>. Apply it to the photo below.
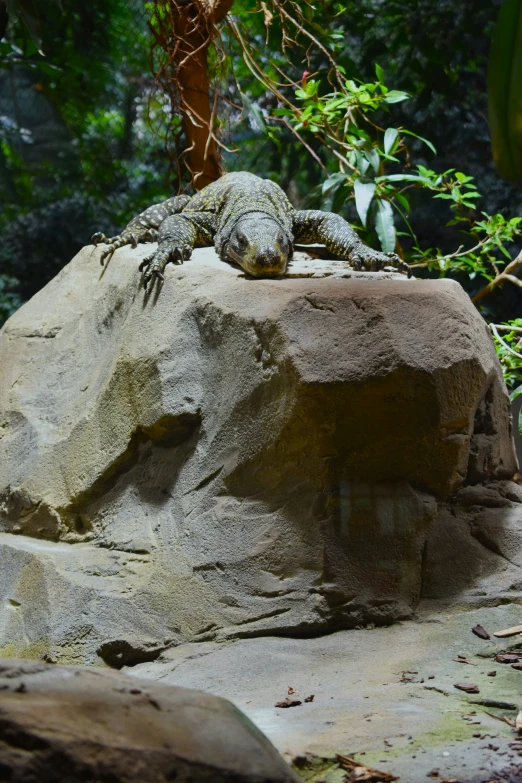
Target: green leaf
<point x="331" y="188"/>
<point x="372" y="156"/>
<point x="364" y="193"/>
<point x="396" y="96"/>
<point x="362" y="162"/>
<point x="390" y="137"/>
<point x="384" y="225"/>
<point x="426" y="142"/>
<point x="504" y="92"/>
<point x="379" y="72"/>
<point x="254" y="112"/>
<point x="48" y="68"/>
<point x="403" y="178"/>
<point x="333" y="181"/>
<point x="403" y="201"/>
<point x="504" y="251"/>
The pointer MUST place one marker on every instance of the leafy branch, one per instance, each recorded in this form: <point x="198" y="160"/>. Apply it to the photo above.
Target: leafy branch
<point x="344" y="125"/>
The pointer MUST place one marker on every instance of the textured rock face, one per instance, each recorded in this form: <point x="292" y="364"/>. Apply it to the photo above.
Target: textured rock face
<point x="60" y="723"/>
<point x="231" y="457"/>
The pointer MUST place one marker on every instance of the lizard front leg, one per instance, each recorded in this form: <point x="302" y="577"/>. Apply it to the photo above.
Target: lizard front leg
<point x="178" y="235"/>
<point x="142" y="228"/>
<point x="336" y="233"/>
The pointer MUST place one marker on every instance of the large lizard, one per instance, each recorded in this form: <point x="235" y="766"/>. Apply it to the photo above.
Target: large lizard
<point x="250" y="222"/>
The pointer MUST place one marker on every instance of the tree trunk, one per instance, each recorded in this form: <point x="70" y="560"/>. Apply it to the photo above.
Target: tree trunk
<point x="194" y="29"/>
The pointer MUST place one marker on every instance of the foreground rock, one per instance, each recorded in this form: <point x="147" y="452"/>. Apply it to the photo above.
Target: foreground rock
<point x="229" y="457"/>
<point x="59" y="723"/>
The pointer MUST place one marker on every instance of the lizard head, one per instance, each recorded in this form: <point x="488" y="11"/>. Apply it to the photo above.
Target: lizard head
<point x="260" y="246"/>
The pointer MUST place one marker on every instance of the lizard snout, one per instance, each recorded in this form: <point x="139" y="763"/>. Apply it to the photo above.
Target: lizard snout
<point x="270" y="261"/>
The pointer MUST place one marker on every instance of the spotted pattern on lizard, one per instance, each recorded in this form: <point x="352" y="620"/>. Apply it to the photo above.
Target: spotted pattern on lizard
<point x="250" y="222"/>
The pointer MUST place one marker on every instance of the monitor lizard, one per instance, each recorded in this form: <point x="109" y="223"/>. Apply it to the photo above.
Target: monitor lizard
<point x="250" y="222"/>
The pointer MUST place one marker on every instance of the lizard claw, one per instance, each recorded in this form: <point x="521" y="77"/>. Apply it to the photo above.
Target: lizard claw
<point x="126" y="238"/>
<point x="107" y="254"/>
<point x="150" y="235"/>
<point x="154" y="265"/>
<point x="374" y="260"/>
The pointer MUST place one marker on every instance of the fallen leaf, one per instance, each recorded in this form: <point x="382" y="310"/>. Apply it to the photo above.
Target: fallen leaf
<point x="288" y="703"/>
<point x="481" y="632"/>
<point x="468" y="687"/>
<point x="360" y="773"/>
<point x="309" y="698"/>
<point x="508" y="631"/>
<point x="460" y="659"/>
<point x="291" y="690"/>
<point x="507" y="658"/>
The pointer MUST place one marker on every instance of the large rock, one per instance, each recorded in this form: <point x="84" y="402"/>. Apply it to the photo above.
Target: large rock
<point x="231" y="457"/>
<point x="62" y="723"/>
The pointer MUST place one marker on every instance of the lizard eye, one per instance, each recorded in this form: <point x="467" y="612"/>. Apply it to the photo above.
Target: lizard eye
<point x="242" y="241"/>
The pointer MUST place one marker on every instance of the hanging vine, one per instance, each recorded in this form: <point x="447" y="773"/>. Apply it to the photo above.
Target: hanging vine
<point x="183" y="32"/>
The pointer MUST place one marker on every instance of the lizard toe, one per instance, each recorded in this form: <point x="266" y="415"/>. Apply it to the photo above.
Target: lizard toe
<point x="106" y="255"/>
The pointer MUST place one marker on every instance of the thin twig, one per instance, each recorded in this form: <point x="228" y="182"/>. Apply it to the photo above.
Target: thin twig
<point x="505" y="275"/>
<point x="314" y="40"/>
<point x="312" y="152"/>
<point x="503" y="718"/>
<point x="503" y="342"/>
<point x="507" y="328"/>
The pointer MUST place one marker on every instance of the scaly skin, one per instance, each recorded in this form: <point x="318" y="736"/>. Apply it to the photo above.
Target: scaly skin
<point x="250" y="222"/>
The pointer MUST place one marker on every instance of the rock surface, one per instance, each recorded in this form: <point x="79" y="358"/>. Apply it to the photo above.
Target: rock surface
<point x="230" y="457"/>
<point x="385" y="696"/>
<point x="69" y="724"/>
